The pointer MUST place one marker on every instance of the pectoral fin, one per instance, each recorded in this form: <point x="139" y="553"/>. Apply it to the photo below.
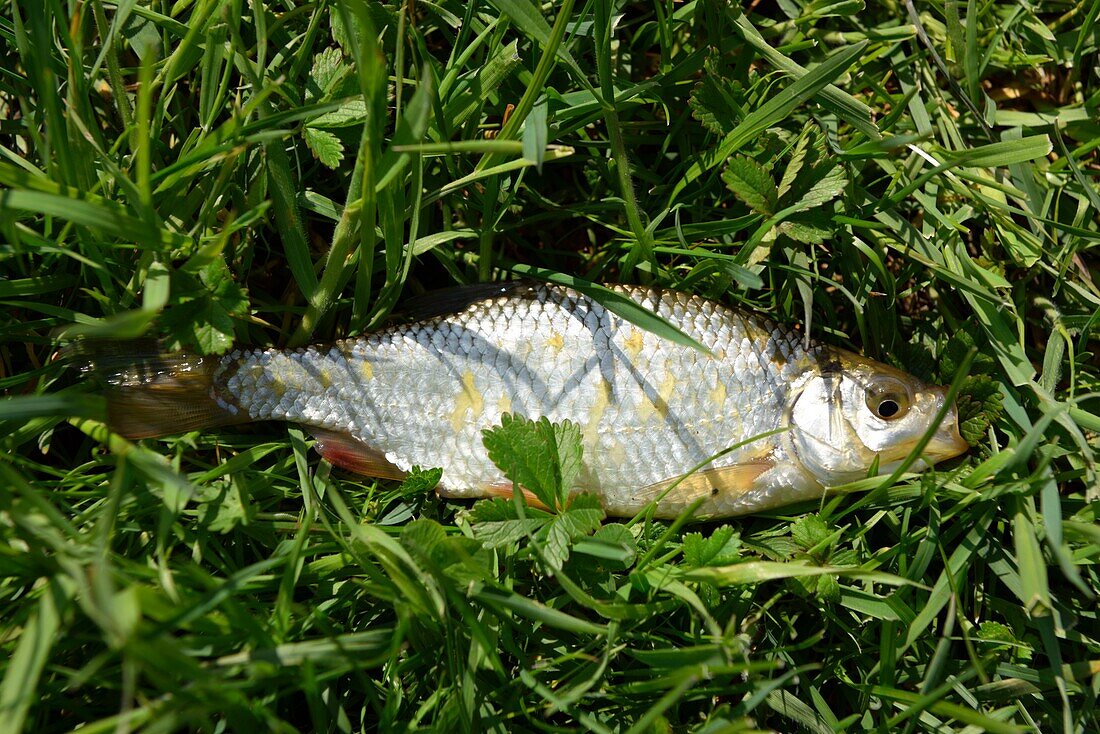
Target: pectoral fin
<point x="720" y="488"/>
<point x="504" y="490"/>
<point x="348" y="452"/>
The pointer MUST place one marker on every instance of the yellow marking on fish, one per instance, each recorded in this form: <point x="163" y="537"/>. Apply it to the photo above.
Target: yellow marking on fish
<point x="555" y="342"/>
<point x="718" y="395"/>
<point x="367" y="370"/>
<point x="278" y="387"/>
<point x="325" y="378"/>
<point x="634" y="344"/>
<point x="504" y="404"/>
<point x="596" y="412"/>
<point x="469" y="399"/>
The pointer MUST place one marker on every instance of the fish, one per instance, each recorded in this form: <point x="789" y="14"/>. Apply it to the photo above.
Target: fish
<point x="758" y="419"/>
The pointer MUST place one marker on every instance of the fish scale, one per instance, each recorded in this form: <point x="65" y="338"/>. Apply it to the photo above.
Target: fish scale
<point x="648" y="408"/>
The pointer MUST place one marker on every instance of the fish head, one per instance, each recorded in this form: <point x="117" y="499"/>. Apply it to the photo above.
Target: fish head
<point x="851" y="412"/>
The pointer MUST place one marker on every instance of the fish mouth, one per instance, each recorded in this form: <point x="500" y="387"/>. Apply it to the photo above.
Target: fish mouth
<point x="947" y="442"/>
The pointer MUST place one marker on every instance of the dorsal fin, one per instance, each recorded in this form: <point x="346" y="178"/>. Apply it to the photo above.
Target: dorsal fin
<point x="447" y="301"/>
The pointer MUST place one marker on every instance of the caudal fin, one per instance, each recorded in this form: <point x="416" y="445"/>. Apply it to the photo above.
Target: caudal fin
<point x="150" y="393"/>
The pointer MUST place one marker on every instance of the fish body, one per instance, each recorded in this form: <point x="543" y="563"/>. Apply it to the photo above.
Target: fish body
<point x="649" y="410"/>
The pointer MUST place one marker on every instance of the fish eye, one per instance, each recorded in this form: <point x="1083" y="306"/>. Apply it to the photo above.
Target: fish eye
<point x="888" y="398"/>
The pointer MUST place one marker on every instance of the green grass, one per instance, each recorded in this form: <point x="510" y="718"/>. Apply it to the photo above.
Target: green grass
<point x="906" y="180"/>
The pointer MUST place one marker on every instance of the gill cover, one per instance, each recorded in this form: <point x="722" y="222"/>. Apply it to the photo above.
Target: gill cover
<point x="857" y="411"/>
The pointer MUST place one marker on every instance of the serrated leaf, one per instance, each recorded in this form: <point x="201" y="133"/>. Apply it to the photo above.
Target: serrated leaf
<point x="225" y="511"/>
<point x="751" y="183"/>
<point x="798" y="158"/>
<point x="420" y="481"/>
<point x="828" y="588"/>
<point x="955" y="352"/>
<point x="802" y="231"/>
<point x="809" y="531"/>
<point x="829" y="186"/>
<point x="325" y="146"/>
<point x="714" y="104"/>
<point x="504" y="532"/>
<point x="328" y="71"/>
<point x="219" y="281"/>
<point x="617" y="534"/>
<point x="204" y="316"/>
<point x="581" y="518"/>
<point x="990" y="631"/>
<point x="340" y="31"/>
<point x="499" y="509"/>
<point x="721" y="548"/>
<point x="540" y="456"/>
<point x="351" y="112"/>
<point x="979" y="403"/>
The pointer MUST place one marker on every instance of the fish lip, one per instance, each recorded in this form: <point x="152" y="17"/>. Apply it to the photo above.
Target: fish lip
<point x="947" y="442"/>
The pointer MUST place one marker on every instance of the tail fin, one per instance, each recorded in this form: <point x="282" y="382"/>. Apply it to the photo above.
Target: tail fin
<point x="150" y="393"/>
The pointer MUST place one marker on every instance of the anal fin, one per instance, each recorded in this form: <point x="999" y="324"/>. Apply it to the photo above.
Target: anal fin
<point x="348" y="452"/>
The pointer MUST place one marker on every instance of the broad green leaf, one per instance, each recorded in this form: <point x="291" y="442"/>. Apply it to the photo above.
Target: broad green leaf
<point x="806" y="232"/>
<point x="722" y="547"/>
<point x="809" y="531"/>
<point x="420" y="481"/>
<point x="351" y="112"/>
<point x="582" y="517"/>
<point x="327" y="75"/>
<point x="541" y="457"/>
<point x="979" y="404"/>
<point x="826" y="188"/>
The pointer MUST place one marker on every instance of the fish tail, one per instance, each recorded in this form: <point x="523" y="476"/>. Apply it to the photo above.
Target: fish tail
<point x="151" y="393"/>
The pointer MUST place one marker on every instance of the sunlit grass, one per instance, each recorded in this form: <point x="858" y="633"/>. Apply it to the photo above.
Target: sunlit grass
<point x="909" y="181"/>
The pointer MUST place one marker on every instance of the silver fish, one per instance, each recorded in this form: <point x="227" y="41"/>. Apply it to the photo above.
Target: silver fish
<point x="649" y="409"/>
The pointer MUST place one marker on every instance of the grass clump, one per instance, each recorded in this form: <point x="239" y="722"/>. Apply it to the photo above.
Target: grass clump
<point x="918" y="180"/>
